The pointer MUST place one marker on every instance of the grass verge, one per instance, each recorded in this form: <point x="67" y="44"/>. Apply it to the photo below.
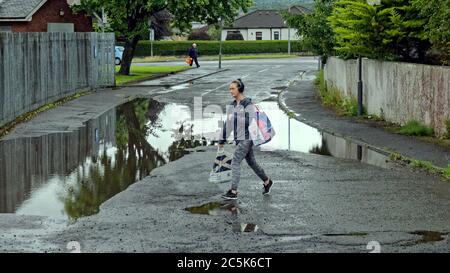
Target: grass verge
<point x="447" y="126"/>
<point x="415" y="128"/>
<point x="331" y="97"/>
<point x="423" y="165"/>
<point x="138" y="73"/>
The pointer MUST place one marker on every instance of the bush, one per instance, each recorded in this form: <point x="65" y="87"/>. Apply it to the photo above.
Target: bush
<point x="447" y="126"/>
<point x="180" y="48"/>
<point x="332" y="97"/>
<point x="214" y="33"/>
<point x="415" y="128"/>
<point x="350" y="106"/>
<point x="199" y="35"/>
<point x="446" y="172"/>
<point x="320" y="81"/>
<point x="423" y="165"/>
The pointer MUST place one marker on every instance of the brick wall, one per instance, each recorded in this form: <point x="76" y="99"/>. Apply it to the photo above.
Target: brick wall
<point x="49" y="13"/>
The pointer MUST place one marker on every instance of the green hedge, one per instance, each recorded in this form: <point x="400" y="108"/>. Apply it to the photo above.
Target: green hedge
<point x="179" y="48"/>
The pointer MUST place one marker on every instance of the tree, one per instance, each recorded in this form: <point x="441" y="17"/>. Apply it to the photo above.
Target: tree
<point x="130" y="18"/>
<point x="392" y="30"/>
<point x="314" y="29"/>
<point x="214" y="32"/>
<point x="356" y="33"/>
<point x="161" y="24"/>
<point x="437" y="28"/>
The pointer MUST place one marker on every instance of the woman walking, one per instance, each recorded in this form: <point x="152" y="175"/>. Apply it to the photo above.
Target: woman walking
<point x="240" y="114"/>
<point x="193" y="53"/>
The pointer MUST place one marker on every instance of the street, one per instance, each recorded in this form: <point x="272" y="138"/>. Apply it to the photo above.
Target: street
<point x="320" y="202"/>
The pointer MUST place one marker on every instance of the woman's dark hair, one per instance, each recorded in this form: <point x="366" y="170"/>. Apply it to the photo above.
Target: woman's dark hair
<point x="240" y="85"/>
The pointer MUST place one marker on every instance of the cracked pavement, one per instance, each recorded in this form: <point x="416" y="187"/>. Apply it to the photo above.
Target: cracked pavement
<point x="318" y="203"/>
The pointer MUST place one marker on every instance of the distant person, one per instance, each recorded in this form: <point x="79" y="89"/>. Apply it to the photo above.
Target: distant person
<point x="240" y="114"/>
<point x="193" y="53"/>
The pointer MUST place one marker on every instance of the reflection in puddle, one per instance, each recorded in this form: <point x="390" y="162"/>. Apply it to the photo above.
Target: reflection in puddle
<point x="320" y="149"/>
<point x="69" y="175"/>
<point x="294" y="135"/>
<point x="215" y="208"/>
<point x="290" y="133"/>
<point x="222" y="209"/>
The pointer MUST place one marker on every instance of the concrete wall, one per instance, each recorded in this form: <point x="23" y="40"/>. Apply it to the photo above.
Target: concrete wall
<point x="40" y="68"/>
<point x="399" y="92"/>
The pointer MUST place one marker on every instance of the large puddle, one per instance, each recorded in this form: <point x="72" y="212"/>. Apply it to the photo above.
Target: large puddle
<point x="69" y="175"/>
<point x="294" y="135"/>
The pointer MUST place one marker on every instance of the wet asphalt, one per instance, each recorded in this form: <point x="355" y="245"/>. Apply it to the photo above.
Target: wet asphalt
<point x="318" y="203"/>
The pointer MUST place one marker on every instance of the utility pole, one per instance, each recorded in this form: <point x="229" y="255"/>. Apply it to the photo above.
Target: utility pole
<point x="220" y="43"/>
<point x="289" y="133"/>
<point x="289" y="34"/>
<point x="151" y="36"/>
<point x="360" y="82"/>
<point x="360" y="87"/>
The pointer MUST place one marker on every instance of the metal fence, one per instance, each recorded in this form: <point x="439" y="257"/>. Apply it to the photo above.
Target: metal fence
<point x="40" y="68"/>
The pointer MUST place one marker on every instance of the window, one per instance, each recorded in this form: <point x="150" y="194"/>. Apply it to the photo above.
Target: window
<point x="258" y="35"/>
<point x="276" y="35"/>
<point x="234" y="35"/>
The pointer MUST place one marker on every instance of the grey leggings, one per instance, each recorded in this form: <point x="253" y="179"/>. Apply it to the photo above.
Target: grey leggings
<point x="243" y="150"/>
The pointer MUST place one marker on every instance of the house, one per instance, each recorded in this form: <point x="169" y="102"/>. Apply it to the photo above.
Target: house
<point x="42" y="16"/>
<point x="264" y="25"/>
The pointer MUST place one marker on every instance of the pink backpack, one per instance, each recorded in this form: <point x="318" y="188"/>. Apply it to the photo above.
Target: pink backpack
<point x="261" y="130"/>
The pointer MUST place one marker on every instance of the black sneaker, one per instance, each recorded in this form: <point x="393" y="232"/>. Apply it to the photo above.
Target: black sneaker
<point x="229" y="195"/>
<point x="266" y="189"/>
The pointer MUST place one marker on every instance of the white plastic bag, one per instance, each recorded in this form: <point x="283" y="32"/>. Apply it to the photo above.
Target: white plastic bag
<point x="221" y="171"/>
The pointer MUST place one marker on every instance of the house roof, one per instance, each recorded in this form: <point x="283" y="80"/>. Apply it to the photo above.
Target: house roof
<point x="266" y="18"/>
<point x="260" y="19"/>
<point x="19" y="10"/>
<point x="300" y="10"/>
